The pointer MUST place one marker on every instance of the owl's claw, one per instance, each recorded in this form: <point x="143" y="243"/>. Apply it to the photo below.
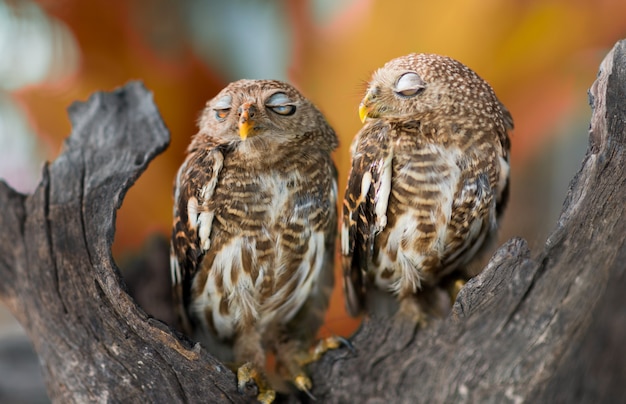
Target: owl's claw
<point x="291" y="362"/>
<point x="303" y="383"/>
<point x="345" y="342"/>
<point x="248" y="374"/>
<point x="324" y="345"/>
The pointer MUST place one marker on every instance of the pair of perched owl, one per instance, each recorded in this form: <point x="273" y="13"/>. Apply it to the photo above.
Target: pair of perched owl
<point x="255" y="216"/>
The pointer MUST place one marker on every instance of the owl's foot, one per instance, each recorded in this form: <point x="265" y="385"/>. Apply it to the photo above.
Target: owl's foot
<point x="454" y="288"/>
<point x="411" y="311"/>
<point x="324" y="345"/>
<point x="247" y="374"/>
<point x="292" y="365"/>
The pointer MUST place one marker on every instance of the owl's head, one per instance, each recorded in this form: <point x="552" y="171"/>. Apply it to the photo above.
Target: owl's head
<point x="431" y="87"/>
<point x="263" y="111"/>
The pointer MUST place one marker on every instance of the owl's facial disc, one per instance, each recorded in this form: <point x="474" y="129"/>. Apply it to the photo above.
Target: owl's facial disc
<point x="246" y="124"/>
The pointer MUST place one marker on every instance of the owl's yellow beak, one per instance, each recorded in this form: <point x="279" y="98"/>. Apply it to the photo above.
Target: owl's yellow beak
<point x="246" y="123"/>
<point x="362" y="112"/>
<point x="366" y="108"/>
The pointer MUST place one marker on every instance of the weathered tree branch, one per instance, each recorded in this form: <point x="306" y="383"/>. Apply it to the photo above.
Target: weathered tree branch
<point x="60" y="281"/>
<point x="517" y="331"/>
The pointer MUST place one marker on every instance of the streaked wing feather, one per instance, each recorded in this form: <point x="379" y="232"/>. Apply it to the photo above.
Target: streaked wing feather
<point x="194" y="186"/>
<point x="367" y="189"/>
<point x="467" y="231"/>
<point x="311" y="315"/>
<point x="506" y="146"/>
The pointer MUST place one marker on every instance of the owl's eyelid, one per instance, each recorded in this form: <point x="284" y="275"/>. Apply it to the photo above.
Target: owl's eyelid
<point x="223" y="103"/>
<point x="220" y="114"/>
<point x="285" y="109"/>
<point x="222" y="107"/>
<point x="278" y="99"/>
<point x="281" y="104"/>
<point x="409" y="84"/>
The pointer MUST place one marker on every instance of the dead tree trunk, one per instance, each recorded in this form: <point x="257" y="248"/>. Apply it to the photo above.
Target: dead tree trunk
<point x="526" y="329"/>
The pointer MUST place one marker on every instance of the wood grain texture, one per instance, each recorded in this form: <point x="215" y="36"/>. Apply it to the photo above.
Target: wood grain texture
<point x="535" y="326"/>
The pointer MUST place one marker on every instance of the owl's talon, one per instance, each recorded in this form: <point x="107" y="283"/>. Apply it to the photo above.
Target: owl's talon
<point x="345" y="342"/>
<point x="247" y="375"/>
<point x="303" y="383"/>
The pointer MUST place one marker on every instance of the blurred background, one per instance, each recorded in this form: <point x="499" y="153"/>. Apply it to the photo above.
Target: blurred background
<point x="540" y="56"/>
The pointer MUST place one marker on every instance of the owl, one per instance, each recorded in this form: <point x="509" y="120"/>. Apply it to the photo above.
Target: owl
<point x="255" y="223"/>
<point x="428" y="182"/>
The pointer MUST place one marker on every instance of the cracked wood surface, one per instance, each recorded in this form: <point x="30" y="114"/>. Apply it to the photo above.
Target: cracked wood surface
<point x="535" y="326"/>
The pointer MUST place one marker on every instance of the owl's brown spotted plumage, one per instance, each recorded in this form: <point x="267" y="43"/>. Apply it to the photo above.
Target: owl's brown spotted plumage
<point x="254" y="228"/>
<point x="429" y="179"/>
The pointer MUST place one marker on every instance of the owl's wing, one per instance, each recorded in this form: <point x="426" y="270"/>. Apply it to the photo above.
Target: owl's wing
<point x="364" y="208"/>
<point x="194" y="187"/>
<point x="473" y="216"/>
<point x="503" y="191"/>
<point x="310" y="316"/>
